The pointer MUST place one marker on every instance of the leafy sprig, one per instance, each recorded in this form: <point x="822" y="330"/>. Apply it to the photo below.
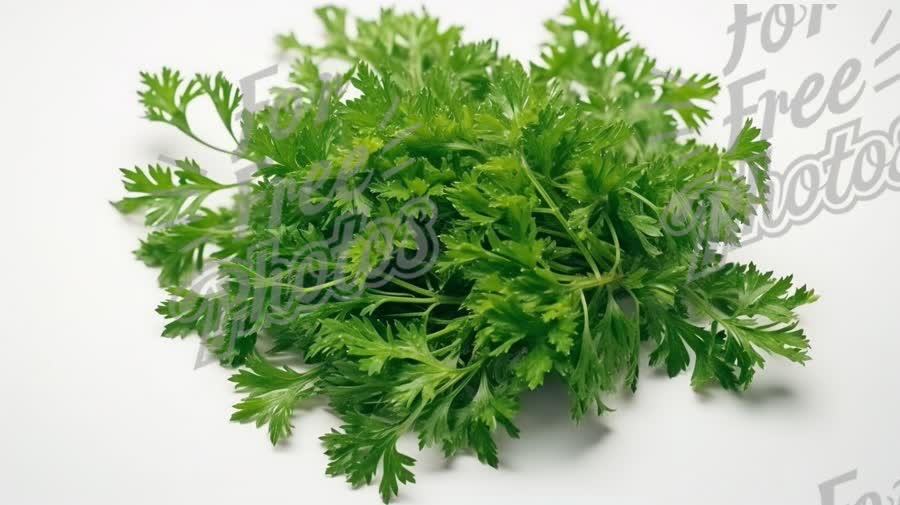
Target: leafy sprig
<point x="460" y="230"/>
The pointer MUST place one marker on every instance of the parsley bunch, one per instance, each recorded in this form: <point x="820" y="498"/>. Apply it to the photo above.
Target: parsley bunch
<point x="439" y="228"/>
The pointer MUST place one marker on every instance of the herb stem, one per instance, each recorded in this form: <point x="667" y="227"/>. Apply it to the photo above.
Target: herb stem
<point x="642" y="199"/>
<point x="594" y="283"/>
<point x="615" y="237"/>
<point x="554" y="209"/>
<point x="412" y="287"/>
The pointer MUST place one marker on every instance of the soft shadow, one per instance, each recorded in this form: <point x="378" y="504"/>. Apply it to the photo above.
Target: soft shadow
<point x="767" y="394"/>
<point x="547" y="429"/>
<point x="757" y="396"/>
<point x="547" y="432"/>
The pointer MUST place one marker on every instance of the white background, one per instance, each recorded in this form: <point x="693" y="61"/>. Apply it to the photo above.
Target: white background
<point x="97" y="409"/>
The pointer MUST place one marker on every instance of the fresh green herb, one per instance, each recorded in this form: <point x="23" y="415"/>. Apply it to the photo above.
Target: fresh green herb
<point x="460" y="230"/>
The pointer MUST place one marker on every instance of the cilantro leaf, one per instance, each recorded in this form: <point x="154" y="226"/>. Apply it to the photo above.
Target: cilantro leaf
<point x="273" y="395"/>
<point x="440" y="229"/>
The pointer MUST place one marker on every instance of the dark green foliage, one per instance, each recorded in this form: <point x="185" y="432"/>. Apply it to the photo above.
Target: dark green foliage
<point x="459" y="231"/>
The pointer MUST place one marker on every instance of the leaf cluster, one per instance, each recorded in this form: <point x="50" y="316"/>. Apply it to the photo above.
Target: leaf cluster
<point x="462" y="229"/>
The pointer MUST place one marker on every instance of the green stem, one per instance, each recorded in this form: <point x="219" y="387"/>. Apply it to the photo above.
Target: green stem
<point x="439" y="300"/>
<point x="312" y="289"/>
<point x="412" y="287"/>
<point x="594" y="283"/>
<point x="207" y="144"/>
<point x="447" y="329"/>
<point x="559" y="217"/>
<point x="642" y="198"/>
<point x="271" y="282"/>
<point x="553" y="233"/>
<point x="586" y="331"/>
<point x="615" y="237"/>
<point x="565" y="269"/>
